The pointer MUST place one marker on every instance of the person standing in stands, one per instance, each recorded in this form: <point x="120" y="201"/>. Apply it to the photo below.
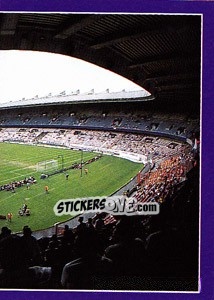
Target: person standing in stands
<point x="82" y="225"/>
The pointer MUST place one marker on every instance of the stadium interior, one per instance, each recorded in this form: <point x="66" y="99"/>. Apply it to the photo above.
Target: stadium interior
<point x="162" y="54"/>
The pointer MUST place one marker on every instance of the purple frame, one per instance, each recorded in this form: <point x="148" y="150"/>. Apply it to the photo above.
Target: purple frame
<point x="207" y="204"/>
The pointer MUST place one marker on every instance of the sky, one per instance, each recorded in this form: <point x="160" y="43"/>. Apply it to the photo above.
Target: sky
<point x="26" y="74"/>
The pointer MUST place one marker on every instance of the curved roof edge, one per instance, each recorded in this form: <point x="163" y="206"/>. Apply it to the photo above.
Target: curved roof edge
<point x="77" y="98"/>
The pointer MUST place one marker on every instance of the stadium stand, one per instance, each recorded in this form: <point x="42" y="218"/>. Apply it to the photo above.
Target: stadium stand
<point x="109" y="247"/>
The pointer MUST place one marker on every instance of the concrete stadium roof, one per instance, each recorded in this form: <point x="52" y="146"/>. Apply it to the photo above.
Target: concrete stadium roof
<point x="161" y="53"/>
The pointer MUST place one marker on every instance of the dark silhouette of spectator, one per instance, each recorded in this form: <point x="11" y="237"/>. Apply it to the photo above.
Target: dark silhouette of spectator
<point x="81" y="226"/>
<point x="165" y="245"/>
<point x="51" y="254"/>
<point x="31" y="249"/>
<point x="14" y="271"/>
<point x="55" y="240"/>
<point x="5" y="231"/>
<point x="53" y="259"/>
<point x="66" y="247"/>
<point x="90" y="224"/>
<point x="99" y="223"/>
<point x="127" y="252"/>
<point x="89" y="267"/>
<point x="68" y="235"/>
<point x="13" y="264"/>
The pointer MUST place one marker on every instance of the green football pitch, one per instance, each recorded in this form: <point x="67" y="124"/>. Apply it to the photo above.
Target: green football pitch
<point x="18" y="161"/>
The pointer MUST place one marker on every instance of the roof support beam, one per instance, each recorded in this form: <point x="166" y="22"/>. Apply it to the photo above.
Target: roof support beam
<point x="175" y="57"/>
<point x="135" y="33"/>
<point x="75" y="28"/>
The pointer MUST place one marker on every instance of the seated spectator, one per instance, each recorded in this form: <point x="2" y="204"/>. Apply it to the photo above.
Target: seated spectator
<point x="14" y="271"/>
<point x="166" y="248"/>
<point x="127" y="252"/>
<point x="68" y="236"/>
<point x="89" y="267"/>
<point x="55" y="240"/>
<point x="52" y="257"/>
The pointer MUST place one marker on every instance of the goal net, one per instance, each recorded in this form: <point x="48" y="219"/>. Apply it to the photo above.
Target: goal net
<point x="47" y="165"/>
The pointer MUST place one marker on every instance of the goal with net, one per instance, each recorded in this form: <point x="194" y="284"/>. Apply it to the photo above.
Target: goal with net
<point x="47" y="165"/>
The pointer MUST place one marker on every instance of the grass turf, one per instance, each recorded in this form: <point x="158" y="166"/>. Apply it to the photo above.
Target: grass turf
<point x="105" y="176"/>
